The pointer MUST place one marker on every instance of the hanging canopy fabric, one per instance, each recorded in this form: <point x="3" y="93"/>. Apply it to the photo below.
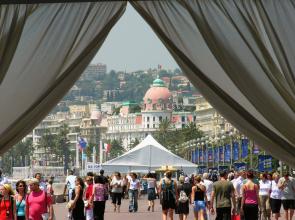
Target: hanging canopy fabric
<point x="239" y="54"/>
<point x="44" y="49"/>
<point x="148" y="155"/>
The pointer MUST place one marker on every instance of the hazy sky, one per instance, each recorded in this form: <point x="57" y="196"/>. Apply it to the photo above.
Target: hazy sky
<point x="132" y="45"/>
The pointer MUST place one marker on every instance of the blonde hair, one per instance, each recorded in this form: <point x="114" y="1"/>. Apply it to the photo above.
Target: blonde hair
<point x="8" y="188"/>
<point x="198" y="178"/>
<point x="181" y="179"/>
<point x="274" y="175"/>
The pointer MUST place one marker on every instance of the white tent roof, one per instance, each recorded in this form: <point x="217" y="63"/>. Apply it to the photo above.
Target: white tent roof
<point x="148" y="155"/>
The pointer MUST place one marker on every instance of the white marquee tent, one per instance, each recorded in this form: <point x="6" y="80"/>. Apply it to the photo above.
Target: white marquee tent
<point x="148" y="155"/>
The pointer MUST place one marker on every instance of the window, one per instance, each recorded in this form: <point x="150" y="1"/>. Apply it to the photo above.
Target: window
<point x="183" y="118"/>
<point x="154" y="118"/>
<point x="147" y="119"/>
<point x="160" y="118"/>
<point x="148" y="126"/>
<point x="154" y="126"/>
<point x="154" y="106"/>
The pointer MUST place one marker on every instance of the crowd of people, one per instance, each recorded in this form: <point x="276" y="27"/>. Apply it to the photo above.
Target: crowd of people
<point x="30" y="200"/>
<point x="244" y="194"/>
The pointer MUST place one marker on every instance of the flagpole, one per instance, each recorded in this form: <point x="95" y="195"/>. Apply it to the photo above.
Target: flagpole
<point x="93" y="158"/>
<point x="77" y="152"/>
<point x="82" y="161"/>
<point x="100" y="152"/>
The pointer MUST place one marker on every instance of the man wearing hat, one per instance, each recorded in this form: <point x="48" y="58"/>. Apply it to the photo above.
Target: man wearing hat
<point x="38" y="204"/>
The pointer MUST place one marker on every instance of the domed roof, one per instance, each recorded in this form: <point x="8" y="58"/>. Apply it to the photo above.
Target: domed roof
<point x="158" y="93"/>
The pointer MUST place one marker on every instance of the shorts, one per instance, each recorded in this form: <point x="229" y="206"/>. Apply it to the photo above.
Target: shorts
<point x="199" y="205"/>
<point x="151" y="194"/>
<point x="275" y="205"/>
<point x="288" y="204"/>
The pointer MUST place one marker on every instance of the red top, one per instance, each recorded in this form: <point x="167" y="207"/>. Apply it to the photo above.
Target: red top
<point x="251" y="195"/>
<point x="5" y="207"/>
<point x="88" y="193"/>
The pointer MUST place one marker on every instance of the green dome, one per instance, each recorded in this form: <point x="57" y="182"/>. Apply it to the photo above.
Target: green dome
<point x="158" y="83"/>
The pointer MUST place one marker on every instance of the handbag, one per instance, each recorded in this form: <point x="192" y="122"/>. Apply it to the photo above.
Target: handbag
<point x="235" y="217"/>
<point x="45" y="216"/>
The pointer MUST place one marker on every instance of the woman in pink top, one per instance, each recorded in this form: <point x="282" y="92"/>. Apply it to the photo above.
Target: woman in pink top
<point x="250" y="198"/>
<point x="98" y="198"/>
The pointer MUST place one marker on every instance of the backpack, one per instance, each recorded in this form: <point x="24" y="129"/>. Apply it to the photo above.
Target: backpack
<point x="168" y="192"/>
<point x="182" y="197"/>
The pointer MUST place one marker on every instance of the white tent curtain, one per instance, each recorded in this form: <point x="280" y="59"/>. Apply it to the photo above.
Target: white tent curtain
<point x="56" y="44"/>
<point x="240" y="54"/>
<point x="12" y="20"/>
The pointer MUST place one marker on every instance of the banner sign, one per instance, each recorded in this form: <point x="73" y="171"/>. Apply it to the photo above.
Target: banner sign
<point x="90" y="167"/>
<point x="240" y="166"/>
<point x="221" y="154"/>
<point x="196" y="155"/>
<point x="245" y="143"/>
<point x="255" y="149"/>
<point x="205" y="154"/>
<point x="216" y="157"/>
<point x="201" y="158"/>
<point x="264" y="163"/>
<point x="227" y="153"/>
<point x="236" y="151"/>
<point x="210" y="155"/>
<point x="193" y="157"/>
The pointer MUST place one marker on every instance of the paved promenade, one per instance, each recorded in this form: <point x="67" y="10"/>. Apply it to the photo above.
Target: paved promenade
<point x="142" y="214"/>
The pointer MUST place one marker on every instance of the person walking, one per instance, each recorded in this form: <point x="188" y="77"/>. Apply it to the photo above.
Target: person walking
<point x="77" y="205"/>
<point x="151" y="191"/>
<point x="20" y="200"/>
<point x="275" y="196"/>
<point x="42" y="184"/>
<point x="184" y="190"/>
<point x="87" y="199"/>
<point x="264" y="193"/>
<point x="287" y="185"/>
<point x="7" y="209"/>
<point x="209" y="188"/>
<point x="199" y="199"/>
<point x="250" y="198"/>
<point x="224" y="195"/>
<point x="70" y="185"/>
<point x="168" y="195"/>
<point x="3" y="179"/>
<point x="98" y="198"/>
<point x="38" y="204"/>
<point x="117" y="190"/>
<point x="134" y="192"/>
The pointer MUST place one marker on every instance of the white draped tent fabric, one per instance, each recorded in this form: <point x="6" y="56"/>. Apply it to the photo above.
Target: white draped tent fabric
<point x="148" y="155"/>
<point x="56" y="43"/>
<point x="240" y="55"/>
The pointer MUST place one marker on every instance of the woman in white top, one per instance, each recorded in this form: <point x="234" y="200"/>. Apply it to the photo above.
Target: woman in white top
<point x="117" y="190"/>
<point x="133" y="191"/>
<point x="275" y="196"/>
<point x="264" y="192"/>
<point x="151" y="190"/>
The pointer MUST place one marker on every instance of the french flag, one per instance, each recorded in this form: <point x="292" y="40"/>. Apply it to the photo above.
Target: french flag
<point x="82" y="143"/>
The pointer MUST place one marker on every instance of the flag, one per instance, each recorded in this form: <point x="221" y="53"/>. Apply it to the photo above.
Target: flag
<point x="216" y="158"/>
<point x="210" y="154"/>
<point x="221" y="154"/>
<point x="82" y="143"/>
<point x="201" y="159"/>
<point x="244" y="148"/>
<point x="196" y="155"/>
<point x="205" y="156"/>
<point x="255" y="149"/>
<point x="264" y="163"/>
<point x="236" y="151"/>
<point x="193" y="156"/>
<point x="107" y="147"/>
<point x="227" y="153"/>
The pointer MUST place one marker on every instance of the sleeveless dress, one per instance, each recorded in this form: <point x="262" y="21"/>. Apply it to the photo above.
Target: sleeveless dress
<point x="168" y="195"/>
<point x="78" y="211"/>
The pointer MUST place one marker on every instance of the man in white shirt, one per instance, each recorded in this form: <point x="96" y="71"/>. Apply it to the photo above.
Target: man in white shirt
<point x="238" y="183"/>
<point x="42" y="184"/>
<point x="70" y="184"/>
<point x="3" y="179"/>
<point x="287" y="185"/>
<point x="209" y="187"/>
